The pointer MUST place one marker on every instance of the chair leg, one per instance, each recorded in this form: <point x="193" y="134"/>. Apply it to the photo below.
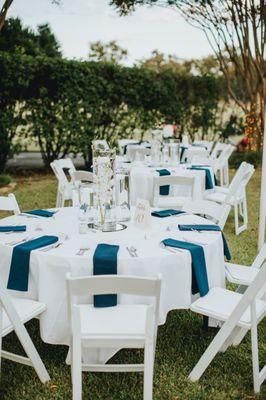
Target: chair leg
<point x="148" y="370"/>
<point x="32" y="354"/>
<point x="76" y="370"/>
<point x="236" y="219"/>
<point x="255" y="356"/>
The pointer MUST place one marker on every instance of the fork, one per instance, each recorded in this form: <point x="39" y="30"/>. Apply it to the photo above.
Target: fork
<point x="134" y="251"/>
<point x="54" y="246"/>
<point x="130" y="252"/>
<point x="14" y="243"/>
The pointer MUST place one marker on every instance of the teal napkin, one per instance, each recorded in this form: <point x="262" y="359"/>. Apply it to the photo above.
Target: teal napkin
<point x="15" y="228"/>
<point x="166" y="213"/>
<point x="105" y="263"/>
<point x="164" y="190"/>
<point x="208" y="176"/>
<point x="20" y="262"/>
<point x="199" y="272"/>
<point x="41" y="213"/>
<point x="208" y="228"/>
<point x="183" y="148"/>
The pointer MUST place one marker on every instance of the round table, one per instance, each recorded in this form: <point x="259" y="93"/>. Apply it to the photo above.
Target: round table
<point x="48" y="270"/>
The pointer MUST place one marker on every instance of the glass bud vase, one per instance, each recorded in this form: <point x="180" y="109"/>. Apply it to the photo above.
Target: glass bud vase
<point x="104" y="188"/>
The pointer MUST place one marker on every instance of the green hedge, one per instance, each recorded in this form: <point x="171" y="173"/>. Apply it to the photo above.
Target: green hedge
<point x="252" y="157"/>
<point x="64" y="104"/>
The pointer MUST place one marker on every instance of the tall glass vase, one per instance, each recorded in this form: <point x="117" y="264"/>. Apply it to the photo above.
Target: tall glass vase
<point x="104" y="188"/>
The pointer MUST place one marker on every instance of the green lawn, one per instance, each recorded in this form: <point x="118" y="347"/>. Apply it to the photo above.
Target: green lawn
<point x="181" y="341"/>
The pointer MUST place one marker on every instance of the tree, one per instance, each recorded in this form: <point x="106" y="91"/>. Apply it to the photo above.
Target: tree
<point x="236" y="31"/>
<point x="5" y="8"/>
<point x="15" y="38"/>
<point x="107" y="52"/>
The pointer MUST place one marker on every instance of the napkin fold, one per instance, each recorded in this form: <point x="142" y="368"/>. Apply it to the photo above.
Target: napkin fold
<point x="164" y="190"/>
<point x="105" y="263"/>
<point x="216" y="228"/>
<point x="208" y="176"/>
<point x="183" y="148"/>
<point x="20" y="262"/>
<point x="15" y="228"/>
<point x="166" y="213"/>
<point x="199" y="271"/>
<point x="41" y="213"/>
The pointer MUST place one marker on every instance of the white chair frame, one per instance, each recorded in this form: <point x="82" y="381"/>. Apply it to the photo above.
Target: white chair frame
<point x="65" y="187"/>
<point x="248" y="299"/>
<point x="9" y="203"/>
<point x="172" y="180"/>
<point x="218" y="213"/>
<point x="33" y="359"/>
<point x="113" y="284"/>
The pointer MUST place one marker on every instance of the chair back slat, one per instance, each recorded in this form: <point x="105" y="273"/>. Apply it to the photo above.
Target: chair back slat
<point x="9" y="203"/>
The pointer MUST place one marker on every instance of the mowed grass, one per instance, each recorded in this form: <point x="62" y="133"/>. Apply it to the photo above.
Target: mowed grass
<point x="181" y="341"/>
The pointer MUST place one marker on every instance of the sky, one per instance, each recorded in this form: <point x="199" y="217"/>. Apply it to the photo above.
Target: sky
<point x="78" y="23"/>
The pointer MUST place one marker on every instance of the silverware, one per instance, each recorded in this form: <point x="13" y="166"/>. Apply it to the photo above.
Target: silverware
<point x="54" y="246"/>
<point x="134" y="251"/>
<point x="81" y="251"/>
<point x="130" y="252"/>
<point x="19" y="241"/>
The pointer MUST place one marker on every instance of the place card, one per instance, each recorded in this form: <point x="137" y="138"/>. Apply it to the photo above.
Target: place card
<point x="142" y="216"/>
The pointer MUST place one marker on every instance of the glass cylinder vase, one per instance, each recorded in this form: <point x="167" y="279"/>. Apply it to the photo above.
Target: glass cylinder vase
<point x="104" y="188"/>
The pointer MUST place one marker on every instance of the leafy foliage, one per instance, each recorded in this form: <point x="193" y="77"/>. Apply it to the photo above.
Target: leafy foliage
<point x="63" y="105"/>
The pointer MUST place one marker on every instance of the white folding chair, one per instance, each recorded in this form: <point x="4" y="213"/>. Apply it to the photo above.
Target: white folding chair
<point x="221" y="164"/>
<point x="238" y="311"/>
<point x="244" y="275"/>
<point x="83" y="189"/>
<point x="137" y="152"/>
<point x="174" y="182"/>
<point x="121" y="326"/>
<point x="100" y="144"/>
<point x="235" y="195"/>
<point x="218" y="213"/>
<point x="14" y="313"/>
<point x="9" y="203"/>
<point x="204" y="143"/>
<point x="65" y="186"/>
<point x="192" y="152"/>
<point x="124" y="142"/>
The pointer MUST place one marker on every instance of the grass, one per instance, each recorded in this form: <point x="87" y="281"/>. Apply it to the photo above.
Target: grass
<point x="181" y="341"/>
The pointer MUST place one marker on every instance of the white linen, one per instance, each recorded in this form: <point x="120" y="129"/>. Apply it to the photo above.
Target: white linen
<point x="47" y="282"/>
<point x="142" y="182"/>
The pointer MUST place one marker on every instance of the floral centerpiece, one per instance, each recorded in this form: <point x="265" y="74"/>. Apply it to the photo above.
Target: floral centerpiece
<point x="104" y="187"/>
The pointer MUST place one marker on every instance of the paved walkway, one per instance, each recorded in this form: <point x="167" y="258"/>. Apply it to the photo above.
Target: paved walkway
<point x="34" y="160"/>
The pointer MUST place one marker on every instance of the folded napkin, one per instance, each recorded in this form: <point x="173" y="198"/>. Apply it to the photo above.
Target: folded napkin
<point x="105" y="263"/>
<point x="199" y="272"/>
<point x="164" y="190"/>
<point x="183" y="148"/>
<point x="15" y="228"/>
<point x="166" y="213"/>
<point x="20" y="262"/>
<point x="208" y="228"/>
<point x="208" y="176"/>
<point x="41" y="213"/>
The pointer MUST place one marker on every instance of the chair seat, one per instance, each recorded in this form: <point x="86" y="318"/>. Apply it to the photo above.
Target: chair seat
<point x="171" y="202"/>
<point x="219" y="303"/>
<point x="240" y="274"/>
<point x="26" y="309"/>
<point x="218" y="197"/>
<point x="118" y="321"/>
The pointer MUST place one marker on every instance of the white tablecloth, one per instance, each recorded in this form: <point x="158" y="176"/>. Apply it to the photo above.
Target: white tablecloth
<point x="48" y="269"/>
<point x="142" y="182"/>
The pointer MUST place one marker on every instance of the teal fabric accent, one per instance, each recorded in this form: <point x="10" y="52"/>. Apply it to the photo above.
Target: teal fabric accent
<point x="199" y="272"/>
<point x="208" y="228"/>
<point x="209" y="184"/>
<point x="166" y="213"/>
<point x="105" y="263"/>
<point x="20" y="262"/>
<point x="15" y="228"/>
<point x="164" y="190"/>
<point x="41" y="213"/>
